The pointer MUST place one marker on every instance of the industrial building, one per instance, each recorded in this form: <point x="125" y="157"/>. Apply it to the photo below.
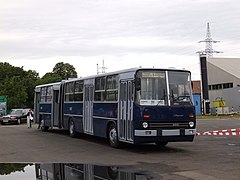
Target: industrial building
<point x="223" y="75"/>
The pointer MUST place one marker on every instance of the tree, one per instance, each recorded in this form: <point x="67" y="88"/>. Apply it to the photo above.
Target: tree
<point x="49" y="77"/>
<point x="29" y="82"/>
<point x="65" y="70"/>
<point x="15" y="90"/>
<point x="8" y="168"/>
<point x="7" y="70"/>
<point x="18" y="85"/>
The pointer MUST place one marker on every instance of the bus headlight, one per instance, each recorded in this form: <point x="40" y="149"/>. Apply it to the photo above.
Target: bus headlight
<point x="145" y="125"/>
<point x="191" y="124"/>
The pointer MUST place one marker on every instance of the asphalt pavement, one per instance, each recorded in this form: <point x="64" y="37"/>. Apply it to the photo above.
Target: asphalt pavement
<point x="208" y="157"/>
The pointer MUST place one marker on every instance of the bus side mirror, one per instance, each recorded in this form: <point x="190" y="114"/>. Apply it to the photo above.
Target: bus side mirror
<point x="138" y="84"/>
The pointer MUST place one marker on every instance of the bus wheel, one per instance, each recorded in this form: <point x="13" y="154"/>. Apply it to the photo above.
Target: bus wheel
<point x="161" y="144"/>
<point x="72" y="131"/>
<point x="113" y="136"/>
<point x="45" y="128"/>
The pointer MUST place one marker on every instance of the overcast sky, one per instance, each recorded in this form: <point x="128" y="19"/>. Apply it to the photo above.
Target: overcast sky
<point x="125" y="33"/>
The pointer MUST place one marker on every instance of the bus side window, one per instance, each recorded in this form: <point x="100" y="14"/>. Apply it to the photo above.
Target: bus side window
<point x="100" y="85"/>
<point x="112" y="88"/>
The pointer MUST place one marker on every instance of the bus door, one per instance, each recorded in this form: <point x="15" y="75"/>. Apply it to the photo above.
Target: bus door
<point x="55" y="108"/>
<point x="125" y="118"/>
<point x="88" y="109"/>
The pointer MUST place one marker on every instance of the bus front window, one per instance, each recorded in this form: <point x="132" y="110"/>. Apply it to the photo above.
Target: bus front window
<point x="153" y="88"/>
<point x="179" y="88"/>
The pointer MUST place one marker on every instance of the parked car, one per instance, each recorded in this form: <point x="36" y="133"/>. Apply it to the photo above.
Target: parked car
<point x="17" y="116"/>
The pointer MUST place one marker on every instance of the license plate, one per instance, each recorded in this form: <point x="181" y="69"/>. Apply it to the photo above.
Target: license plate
<point x="173" y="132"/>
<point x="5" y="120"/>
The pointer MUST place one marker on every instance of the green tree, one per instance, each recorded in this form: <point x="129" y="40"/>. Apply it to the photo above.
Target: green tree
<point x="29" y="82"/>
<point x="7" y="70"/>
<point x="49" y="77"/>
<point x="65" y="70"/>
<point x="18" y="85"/>
<point x="15" y="90"/>
<point x="8" y="168"/>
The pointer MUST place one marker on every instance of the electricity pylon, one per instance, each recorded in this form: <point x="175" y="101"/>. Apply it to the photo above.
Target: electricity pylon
<point x="209" y="41"/>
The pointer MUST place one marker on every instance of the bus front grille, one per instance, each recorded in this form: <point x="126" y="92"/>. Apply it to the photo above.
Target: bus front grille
<point x="168" y="125"/>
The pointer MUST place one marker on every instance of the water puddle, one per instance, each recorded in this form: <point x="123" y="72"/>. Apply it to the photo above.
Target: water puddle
<point x="71" y="171"/>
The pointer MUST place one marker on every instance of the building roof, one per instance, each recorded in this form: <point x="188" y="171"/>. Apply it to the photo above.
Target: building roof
<point x="229" y="65"/>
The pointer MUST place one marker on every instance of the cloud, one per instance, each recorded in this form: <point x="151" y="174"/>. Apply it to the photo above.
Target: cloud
<point x="140" y="30"/>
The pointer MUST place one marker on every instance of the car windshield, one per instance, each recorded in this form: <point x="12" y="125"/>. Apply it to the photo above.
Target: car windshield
<point x="16" y="112"/>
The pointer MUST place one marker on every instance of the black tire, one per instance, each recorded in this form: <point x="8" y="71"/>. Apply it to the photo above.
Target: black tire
<point x="113" y="136"/>
<point x="161" y="144"/>
<point x="45" y="128"/>
<point x="72" y="130"/>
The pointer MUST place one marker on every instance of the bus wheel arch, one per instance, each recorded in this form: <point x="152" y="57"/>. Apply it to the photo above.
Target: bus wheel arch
<point x="112" y="135"/>
<point x="72" y="128"/>
<point x="43" y="126"/>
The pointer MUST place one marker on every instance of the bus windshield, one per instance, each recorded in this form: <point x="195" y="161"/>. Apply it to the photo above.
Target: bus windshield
<point x="163" y="88"/>
<point x="179" y="88"/>
<point x="153" y="88"/>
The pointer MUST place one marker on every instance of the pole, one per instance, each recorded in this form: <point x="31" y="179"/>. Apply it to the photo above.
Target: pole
<point x="204" y="77"/>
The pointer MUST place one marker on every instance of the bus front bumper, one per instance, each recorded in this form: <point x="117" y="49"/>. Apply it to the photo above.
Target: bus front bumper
<point x="166" y="135"/>
<point x="165" y="132"/>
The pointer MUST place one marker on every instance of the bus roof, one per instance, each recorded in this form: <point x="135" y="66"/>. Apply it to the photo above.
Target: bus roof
<point x="123" y="71"/>
<point x="109" y="74"/>
<point x="49" y="84"/>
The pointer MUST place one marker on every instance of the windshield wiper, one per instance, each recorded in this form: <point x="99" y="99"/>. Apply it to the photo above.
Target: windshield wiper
<point x="172" y="96"/>
<point x="163" y="97"/>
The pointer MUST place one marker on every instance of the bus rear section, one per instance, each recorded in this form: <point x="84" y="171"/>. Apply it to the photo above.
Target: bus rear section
<point x="47" y="105"/>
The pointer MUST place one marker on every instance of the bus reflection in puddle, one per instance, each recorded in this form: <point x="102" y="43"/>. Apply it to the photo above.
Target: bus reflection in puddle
<point x="67" y="171"/>
<point x="61" y="171"/>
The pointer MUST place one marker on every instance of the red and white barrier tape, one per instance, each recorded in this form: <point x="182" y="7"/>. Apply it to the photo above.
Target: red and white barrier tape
<point x="225" y="132"/>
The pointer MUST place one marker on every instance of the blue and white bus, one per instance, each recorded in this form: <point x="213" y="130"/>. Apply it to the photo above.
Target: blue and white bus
<point x="139" y="105"/>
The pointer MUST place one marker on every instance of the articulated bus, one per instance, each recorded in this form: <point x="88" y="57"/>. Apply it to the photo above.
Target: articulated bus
<point x="140" y="105"/>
